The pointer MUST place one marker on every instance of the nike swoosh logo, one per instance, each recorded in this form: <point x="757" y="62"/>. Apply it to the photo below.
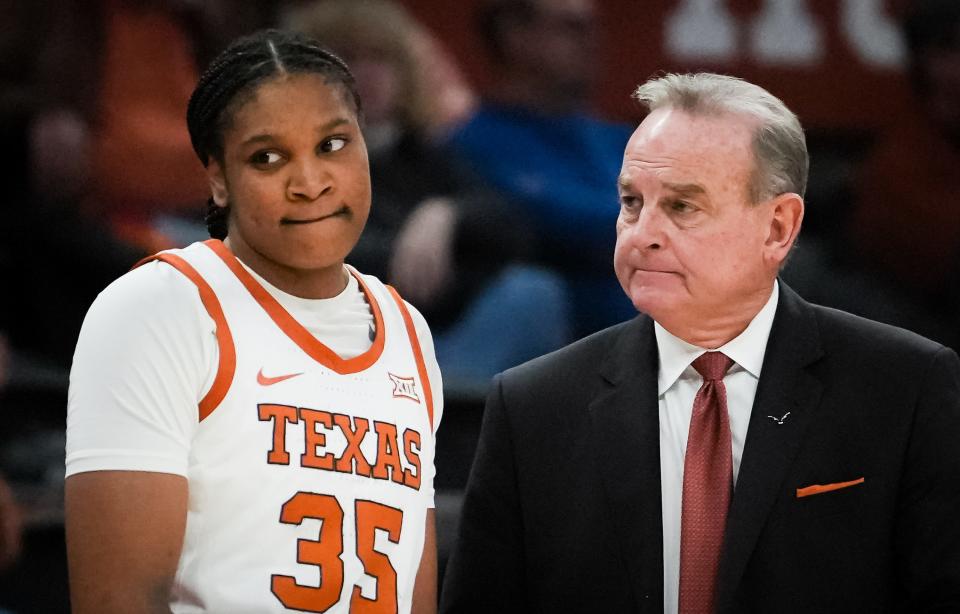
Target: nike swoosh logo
<point x="264" y="380"/>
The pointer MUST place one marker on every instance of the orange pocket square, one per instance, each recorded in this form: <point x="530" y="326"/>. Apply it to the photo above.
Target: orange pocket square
<point x="816" y="489"/>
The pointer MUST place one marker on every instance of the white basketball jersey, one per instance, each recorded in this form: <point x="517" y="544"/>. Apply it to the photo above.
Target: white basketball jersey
<point x="310" y="475"/>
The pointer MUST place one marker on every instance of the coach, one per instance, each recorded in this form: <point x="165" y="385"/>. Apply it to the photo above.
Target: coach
<point x="733" y="448"/>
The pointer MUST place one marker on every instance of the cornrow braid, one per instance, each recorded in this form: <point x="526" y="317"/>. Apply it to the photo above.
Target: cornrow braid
<point x="216" y="219"/>
<point x="232" y="78"/>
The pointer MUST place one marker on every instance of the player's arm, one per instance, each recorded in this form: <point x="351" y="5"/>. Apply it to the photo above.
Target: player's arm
<point x="425" y="587"/>
<point x="124" y="535"/>
<point x="143" y="360"/>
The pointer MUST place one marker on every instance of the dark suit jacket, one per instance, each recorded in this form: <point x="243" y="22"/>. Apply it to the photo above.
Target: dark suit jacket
<point x="562" y="510"/>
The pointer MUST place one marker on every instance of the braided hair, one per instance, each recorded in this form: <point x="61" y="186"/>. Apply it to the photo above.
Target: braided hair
<point x="232" y="78"/>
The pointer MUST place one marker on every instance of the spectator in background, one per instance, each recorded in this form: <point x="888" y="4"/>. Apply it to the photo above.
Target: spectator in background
<point x="141" y="164"/>
<point x="435" y="230"/>
<point x="93" y="94"/>
<point x="906" y="224"/>
<point x="117" y="75"/>
<point x="533" y="139"/>
<point x="53" y="259"/>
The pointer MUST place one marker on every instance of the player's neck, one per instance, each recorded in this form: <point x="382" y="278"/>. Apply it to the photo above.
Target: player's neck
<point x="314" y="283"/>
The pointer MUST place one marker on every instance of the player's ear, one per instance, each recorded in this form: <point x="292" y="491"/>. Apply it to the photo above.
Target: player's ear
<point x="785" y="219"/>
<point x="218" y="183"/>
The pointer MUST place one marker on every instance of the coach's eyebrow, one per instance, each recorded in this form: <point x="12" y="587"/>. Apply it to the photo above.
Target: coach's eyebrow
<point x="623" y="181"/>
<point x="686" y="189"/>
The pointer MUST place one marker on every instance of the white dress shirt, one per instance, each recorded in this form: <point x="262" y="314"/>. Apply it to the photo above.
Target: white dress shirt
<point x="677" y="385"/>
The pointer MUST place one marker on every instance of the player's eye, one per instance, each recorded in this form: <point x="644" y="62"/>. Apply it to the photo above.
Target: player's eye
<point x="265" y="158"/>
<point x="333" y="144"/>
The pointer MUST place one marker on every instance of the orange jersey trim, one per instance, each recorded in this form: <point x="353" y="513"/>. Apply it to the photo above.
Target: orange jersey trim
<point x="227" y="366"/>
<point x="417" y="353"/>
<point x="294" y="330"/>
<point x="816" y="489"/>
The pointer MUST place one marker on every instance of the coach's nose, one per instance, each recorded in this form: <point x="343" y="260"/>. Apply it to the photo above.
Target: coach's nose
<point x="644" y="230"/>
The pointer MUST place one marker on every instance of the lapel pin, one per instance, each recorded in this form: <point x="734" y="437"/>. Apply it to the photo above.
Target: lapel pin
<point x="780" y="419"/>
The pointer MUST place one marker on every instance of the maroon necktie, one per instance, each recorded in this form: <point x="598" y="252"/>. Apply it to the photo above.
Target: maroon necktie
<point x="707" y="485"/>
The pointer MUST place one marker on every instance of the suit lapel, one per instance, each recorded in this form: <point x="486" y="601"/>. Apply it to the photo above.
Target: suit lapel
<point x="625" y="430"/>
<point x="770" y="447"/>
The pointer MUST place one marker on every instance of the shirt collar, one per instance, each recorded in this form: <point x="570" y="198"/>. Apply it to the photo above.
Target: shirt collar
<point x="746" y="349"/>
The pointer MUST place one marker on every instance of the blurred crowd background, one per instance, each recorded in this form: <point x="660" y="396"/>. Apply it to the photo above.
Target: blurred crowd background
<point x="495" y="130"/>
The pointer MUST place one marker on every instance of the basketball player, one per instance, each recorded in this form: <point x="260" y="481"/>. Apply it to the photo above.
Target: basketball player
<point x="251" y="422"/>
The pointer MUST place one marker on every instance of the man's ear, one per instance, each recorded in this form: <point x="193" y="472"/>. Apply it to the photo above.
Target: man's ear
<point x="218" y="183"/>
<point x="785" y="220"/>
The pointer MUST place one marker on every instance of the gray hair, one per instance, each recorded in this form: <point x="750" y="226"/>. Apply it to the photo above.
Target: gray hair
<point x="779" y="147"/>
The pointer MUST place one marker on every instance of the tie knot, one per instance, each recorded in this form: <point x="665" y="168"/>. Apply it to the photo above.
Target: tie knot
<point x="713" y="365"/>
